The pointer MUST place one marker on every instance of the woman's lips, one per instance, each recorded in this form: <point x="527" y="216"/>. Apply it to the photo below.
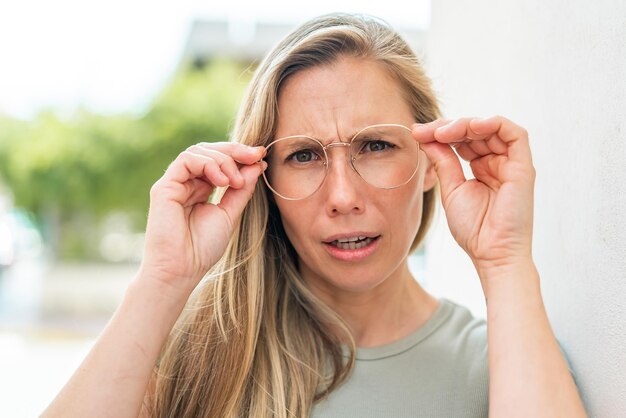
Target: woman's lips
<point x="352" y="250"/>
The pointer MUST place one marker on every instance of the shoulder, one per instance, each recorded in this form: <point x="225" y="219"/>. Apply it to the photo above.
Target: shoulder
<point x="463" y="336"/>
<point x="461" y="342"/>
<point x="461" y="328"/>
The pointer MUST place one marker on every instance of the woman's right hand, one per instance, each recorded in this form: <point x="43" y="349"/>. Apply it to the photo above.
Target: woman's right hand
<point x="185" y="235"/>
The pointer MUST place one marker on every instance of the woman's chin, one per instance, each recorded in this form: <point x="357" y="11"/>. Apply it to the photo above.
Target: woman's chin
<point x="359" y="284"/>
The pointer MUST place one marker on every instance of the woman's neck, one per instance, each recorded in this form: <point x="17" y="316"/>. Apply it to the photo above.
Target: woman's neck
<point x="390" y="311"/>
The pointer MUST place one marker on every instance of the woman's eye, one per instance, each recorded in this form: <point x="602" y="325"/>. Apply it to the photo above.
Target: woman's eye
<point x="302" y="156"/>
<point x="375" y="146"/>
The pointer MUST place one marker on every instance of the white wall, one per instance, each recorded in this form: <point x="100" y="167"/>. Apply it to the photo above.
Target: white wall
<point x="558" y="68"/>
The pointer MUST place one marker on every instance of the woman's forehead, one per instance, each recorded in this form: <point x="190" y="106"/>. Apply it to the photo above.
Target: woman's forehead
<point x="337" y="100"/>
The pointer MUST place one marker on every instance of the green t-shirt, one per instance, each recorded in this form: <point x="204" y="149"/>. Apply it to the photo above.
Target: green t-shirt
<point x="440" y="370"/>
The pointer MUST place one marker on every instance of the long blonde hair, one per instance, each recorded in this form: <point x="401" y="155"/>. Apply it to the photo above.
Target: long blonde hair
<point x="254" y="341"/>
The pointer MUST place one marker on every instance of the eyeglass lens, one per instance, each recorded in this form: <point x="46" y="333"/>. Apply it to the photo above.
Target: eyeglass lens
<point x="384" y="156"/>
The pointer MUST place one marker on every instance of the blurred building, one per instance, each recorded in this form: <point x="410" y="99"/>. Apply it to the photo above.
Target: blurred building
<point x="249" y="41"/>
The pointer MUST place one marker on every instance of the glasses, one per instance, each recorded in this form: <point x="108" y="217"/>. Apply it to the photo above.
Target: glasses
<point x="386" y="156"/>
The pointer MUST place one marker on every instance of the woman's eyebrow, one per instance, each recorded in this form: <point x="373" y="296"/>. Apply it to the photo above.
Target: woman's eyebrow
<point x="326" y="141"/>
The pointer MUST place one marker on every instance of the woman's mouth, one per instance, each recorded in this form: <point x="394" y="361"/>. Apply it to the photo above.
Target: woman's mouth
<point x="353" y="248"/>
<point x="352" y="243"/>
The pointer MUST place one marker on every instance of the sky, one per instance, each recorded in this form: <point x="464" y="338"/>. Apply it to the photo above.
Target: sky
<point x="114" y="56"/>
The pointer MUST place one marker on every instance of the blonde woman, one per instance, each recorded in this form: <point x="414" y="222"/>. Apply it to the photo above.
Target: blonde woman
<point x="291" y="296"/>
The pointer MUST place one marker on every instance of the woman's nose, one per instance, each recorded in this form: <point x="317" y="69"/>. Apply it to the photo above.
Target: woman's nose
<point x="343" y="187"/>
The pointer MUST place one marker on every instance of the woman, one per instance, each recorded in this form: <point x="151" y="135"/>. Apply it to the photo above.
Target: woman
<point x="310" y="264"/>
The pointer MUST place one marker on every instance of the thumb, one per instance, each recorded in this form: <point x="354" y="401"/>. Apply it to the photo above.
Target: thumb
<point x="234" y="200"/>
<point x="447" y="166"/>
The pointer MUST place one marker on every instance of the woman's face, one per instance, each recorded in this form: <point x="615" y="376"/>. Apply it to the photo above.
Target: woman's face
<point x="332" y="102"/>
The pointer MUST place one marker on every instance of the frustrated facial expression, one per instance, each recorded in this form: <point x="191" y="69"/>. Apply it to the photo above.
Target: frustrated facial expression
<point x="332" y="102"/>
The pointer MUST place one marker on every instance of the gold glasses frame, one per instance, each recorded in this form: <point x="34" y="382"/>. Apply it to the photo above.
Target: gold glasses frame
<point x="352" y="158"/>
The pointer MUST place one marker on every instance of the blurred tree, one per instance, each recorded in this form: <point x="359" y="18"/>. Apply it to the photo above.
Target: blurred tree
<point x="72" y="173"/>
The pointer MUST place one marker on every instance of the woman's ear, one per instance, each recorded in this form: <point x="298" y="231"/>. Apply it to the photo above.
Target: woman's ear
<point x="430" y="175"/>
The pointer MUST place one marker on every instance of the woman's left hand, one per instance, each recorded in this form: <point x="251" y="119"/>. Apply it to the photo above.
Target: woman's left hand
<point x="491" y="216"/>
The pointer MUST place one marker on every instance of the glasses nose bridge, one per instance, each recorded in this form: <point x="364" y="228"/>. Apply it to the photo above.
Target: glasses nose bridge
<point x="337" y="144"/>
<point x="340" y="145"/>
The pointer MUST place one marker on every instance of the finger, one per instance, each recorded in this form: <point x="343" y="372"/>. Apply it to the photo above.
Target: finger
<point x="234" y="200"/>
<point x="464" y="151"/>
<point x="480" y="147"/>
<point x="457" y="130"/>
<point x="189" y="165"/>
<point x="514" y="136"/>
<point x="225" y="162"/>
<point x="447" y="166"/>
<point x="239" y="152"/>
<point x="469" y="151"/>
<point x="424" y="132"/>
<point x="487" y="170"/>
<point x="491" y="145"/>
<point x="199" y="191"/>
<point x="496" y="144"/>
<point x="460" y="131"/>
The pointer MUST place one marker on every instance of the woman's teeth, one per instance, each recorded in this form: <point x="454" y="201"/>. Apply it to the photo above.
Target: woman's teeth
<point x="352" y="243"/>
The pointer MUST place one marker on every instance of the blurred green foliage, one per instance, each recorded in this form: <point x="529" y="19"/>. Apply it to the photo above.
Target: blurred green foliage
<point x="72" y="173"/>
